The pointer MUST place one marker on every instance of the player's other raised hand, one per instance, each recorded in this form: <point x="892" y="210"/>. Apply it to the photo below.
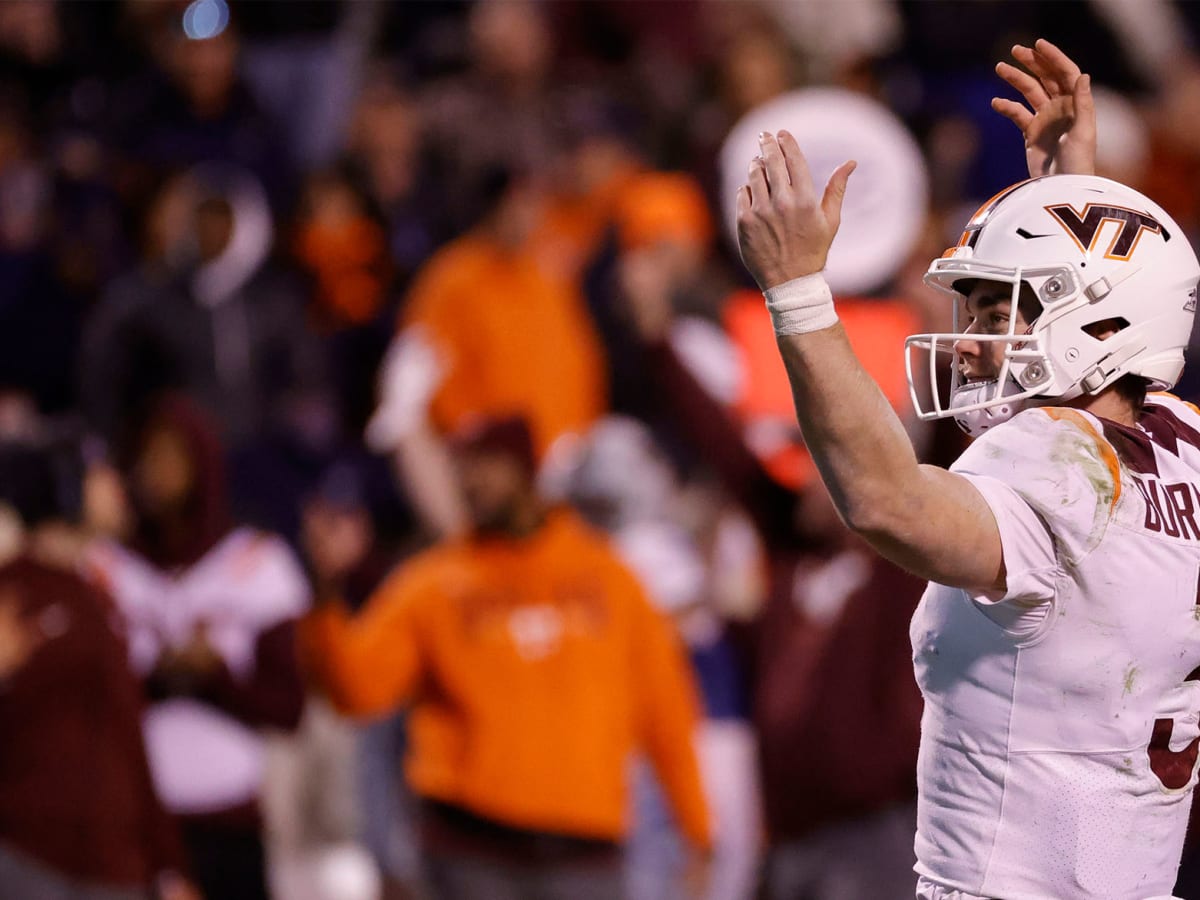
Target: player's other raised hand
<point x="784" y="229"/>
<point x="1060" y="123"/>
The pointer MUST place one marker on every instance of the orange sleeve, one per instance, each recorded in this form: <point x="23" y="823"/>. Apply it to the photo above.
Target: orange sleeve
<point x="367" y="664"/>
<point x="669" y="715"/>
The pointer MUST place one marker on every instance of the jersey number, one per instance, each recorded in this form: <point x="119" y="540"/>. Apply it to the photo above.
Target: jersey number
<point x="1173" y="768"/>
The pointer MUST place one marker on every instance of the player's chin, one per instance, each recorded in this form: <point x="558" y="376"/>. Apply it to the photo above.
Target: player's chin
<point x="970" y="378"/>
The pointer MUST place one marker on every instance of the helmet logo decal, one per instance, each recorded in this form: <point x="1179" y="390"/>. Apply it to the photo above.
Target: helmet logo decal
<point x="1085" y="228"/>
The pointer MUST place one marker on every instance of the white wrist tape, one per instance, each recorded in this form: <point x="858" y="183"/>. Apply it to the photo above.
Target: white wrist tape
<point x="801" y="305"/>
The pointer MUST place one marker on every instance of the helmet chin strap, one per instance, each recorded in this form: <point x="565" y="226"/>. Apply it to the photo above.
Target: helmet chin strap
<point x="976" y="421"/>
<point x="1102" y="373"/>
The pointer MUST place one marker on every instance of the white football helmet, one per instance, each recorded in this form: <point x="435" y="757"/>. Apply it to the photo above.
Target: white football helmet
<point x="1091" y="250"/>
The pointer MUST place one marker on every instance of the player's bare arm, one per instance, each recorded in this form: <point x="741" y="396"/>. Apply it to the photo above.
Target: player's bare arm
<point x="1059" y="123"/>
<point x="928" y="520"/>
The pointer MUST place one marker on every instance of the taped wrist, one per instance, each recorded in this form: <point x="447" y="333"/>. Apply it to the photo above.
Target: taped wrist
<point x="801" y="305"/>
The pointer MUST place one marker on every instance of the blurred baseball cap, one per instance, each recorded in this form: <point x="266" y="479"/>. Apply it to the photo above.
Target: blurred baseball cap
<point x="503" y="435"/>
<point x="663" y="206"/>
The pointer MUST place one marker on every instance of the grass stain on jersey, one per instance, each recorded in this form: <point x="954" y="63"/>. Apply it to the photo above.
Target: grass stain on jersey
<point x="1072" y="448"/>
<point x="1130" y="679"/>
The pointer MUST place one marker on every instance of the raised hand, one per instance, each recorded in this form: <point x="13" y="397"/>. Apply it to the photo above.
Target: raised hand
<point x="1060" y="124"/>
<point x="784" y="230"/>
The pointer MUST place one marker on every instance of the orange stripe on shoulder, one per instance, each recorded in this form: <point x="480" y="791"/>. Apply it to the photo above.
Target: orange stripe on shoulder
<point x="1064" y="414"/>
<point x="1192" y="406"/>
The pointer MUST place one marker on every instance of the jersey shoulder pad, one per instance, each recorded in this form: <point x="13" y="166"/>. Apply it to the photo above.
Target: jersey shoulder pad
<point x="1059" y="462"/>
<point x="1188" y="413"/>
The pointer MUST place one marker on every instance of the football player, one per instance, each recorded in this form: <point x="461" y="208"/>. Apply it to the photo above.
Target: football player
<point x="1057" y="643"/>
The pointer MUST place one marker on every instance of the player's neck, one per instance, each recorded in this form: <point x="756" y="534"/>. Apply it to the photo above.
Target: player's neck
<point x="1109" y="404"/>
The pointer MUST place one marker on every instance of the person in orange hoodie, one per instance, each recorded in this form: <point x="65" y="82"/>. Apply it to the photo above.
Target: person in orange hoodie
<point x="534" y="666"/>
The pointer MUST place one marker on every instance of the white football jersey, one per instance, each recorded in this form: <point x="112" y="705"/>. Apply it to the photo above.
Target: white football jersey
<point x="201" y="757"/>
<point x="1059" y="739"/>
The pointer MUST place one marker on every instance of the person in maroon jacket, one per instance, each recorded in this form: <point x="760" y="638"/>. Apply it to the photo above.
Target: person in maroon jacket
<point x="79" y="817"/>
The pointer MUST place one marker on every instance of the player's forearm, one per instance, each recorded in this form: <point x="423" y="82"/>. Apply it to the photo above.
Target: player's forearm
<point x="926" y="520"/>
<point x="931" y="522"/>
<point x="855" y="437"/>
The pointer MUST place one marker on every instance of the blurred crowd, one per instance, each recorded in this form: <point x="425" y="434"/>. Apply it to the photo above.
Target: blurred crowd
<point x="399" y="490"/>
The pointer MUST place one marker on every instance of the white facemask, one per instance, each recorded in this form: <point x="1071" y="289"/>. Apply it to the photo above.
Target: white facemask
<point x="976" y="421"/>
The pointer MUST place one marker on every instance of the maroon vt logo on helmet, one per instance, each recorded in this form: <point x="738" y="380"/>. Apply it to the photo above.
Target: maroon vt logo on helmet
<point x="1084" y="228"/>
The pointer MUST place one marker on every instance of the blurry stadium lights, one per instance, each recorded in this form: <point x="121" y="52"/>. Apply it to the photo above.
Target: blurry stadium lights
<point x="205" y="19"/>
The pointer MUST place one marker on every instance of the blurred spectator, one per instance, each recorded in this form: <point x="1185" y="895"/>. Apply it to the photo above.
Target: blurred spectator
<point x="311" y="793"/>
<point x="515" y="340"/>
<point x="209" y="608"/>
<point x="384" y="144"/>
<point x="344" y="248"/>
<point x="501" y="112"/>
<point x="207" y="313"/>
<point x="312" y="801"/>
<point x="196" y="108"/>
<point x="660" y="249"/>
<point x="272" y="476"/>
<point x="40" y="317"/>
<point x="364" y="229"/>
<point x="601" y="185"/>
<point x="623" y="484"/>
<point x="79" y="818"/>
<point x="305" y="63"/>
<point x="31" y="48"/>
<point x="487" y="332"/>
<point x="335" y="516"/>
<point x="753" y="63"/>
<point x="756" y="63"/>
<point x="535" y="665"/>
<point x="58" y="65"/>
<point x="590" y="171"/>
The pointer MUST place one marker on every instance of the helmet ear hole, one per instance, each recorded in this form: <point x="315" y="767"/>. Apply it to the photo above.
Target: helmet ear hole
<point x="1103" y="329"/>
